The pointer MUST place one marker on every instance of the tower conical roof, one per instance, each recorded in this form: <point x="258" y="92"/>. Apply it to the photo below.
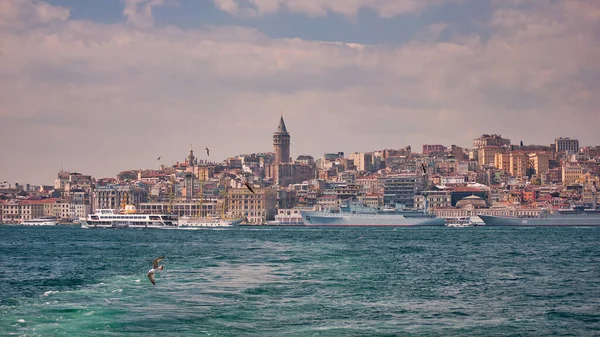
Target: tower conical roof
<point x="281" y="127"/>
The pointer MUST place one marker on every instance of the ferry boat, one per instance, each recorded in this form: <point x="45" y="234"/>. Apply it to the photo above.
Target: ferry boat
<point x="49" y="221"/>
<point x="128" y="218"/>
<point x="215" y="221"/>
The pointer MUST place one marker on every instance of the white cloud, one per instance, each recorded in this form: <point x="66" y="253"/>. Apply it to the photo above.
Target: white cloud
<point x="348" y="8"/>
<point x="102" y="98"/>
<point x="16" y="13"/>
<point x="139" y="12"/>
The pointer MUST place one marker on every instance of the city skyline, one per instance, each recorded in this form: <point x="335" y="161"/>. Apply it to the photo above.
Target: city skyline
<point x="101" y="87"/>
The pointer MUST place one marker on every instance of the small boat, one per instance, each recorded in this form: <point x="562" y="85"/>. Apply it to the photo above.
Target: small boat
<point x="459" y="222"/>
<point x="46" y="221"/>
<point x="215" y="221"/>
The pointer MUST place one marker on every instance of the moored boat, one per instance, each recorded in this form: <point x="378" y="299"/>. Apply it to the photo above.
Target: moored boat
<point x="188" y="222"/>
<point x="356" y="214"/>
<point x="128" y="218"/>
<point x="45" y="221"/>
<point x="459" y="222"/>
<point x="575" y="216"/>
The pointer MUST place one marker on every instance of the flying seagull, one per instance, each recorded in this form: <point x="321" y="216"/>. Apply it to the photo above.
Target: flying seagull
<point x="159" y="158"/>
<point x="234" y="175"/>
<point x="207" y="151"/>
<point x="248" y="186"/>
<point x="155" y="268"/>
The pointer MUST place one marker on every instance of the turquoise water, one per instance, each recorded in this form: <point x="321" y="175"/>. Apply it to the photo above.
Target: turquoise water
<point x="273" y="281"/>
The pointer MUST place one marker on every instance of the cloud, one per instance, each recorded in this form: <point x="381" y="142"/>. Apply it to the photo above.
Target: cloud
<point x="139" y="12"/>
<point x="100" y="98"/>
<point x="14" y="14"/>
<point x="348" y="8"/>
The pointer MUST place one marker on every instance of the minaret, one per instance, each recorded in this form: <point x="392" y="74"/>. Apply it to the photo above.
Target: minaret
<point x="281" y="143"/>
<point x="191" y="158"/>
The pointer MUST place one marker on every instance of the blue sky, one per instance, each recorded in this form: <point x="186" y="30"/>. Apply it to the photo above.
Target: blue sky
<point x="368" y="27"/>
<point x="131" y="80"/>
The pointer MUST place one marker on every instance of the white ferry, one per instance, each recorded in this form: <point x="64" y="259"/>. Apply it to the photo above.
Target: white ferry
<point x="127" y="218"/>
<point x="39" y="222"/>
<point x="188" y="222"/>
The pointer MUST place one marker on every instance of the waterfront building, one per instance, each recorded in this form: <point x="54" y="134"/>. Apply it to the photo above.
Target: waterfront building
<point x="205" y="207"/>
<point x="374" y="200"/>
<point x="257" y="208"/>
<point x="571" y="173"/>
<point x="460" y="192"/>
<point x="363" y="161"/>
<point x="452" y="180"/>
<point x="306" y="160"/>
<point x="14" y="211"/>
<point x="346" y="191"/>
<point x="66" y="211"/>
<point x="490" y="140"/>
<point x="519" y="163"/>
<point x="502" y="161"/>
<point x="290" y="216"/>
<point x="567" y="145"/>
<point x="348" y="177"/>
<point x="427" y="149"/>
<point x="329" y="159"/>
<point x="540" y="162"/>
<point x="327" y="201"/>
<point x="450" y="167"/>
<point x="67" y="181"/>
<point x="370" y="183"/>
<point x="112" y="196"/>
<point x="486" y="155"/>
<point x="401" y="164"/>
<point x="435" y="199"/>
<point x="401" y="188"/>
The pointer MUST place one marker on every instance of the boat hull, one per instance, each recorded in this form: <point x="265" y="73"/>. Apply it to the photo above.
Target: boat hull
<point x="344" y="219"/>
<point x="490" y="220"/>
<point x="39" y="223"/>
<point x="115" y="224"/>
<point x="207" y="222"/>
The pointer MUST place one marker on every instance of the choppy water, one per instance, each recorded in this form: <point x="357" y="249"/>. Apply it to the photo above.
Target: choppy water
<point x="272" y="281"/>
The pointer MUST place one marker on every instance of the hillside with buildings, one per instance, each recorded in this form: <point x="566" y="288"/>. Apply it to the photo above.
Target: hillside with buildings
<point x="494" y="176"/>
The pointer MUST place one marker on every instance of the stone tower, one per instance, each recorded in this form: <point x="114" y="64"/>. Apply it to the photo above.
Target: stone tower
<point x="281" y="143"/>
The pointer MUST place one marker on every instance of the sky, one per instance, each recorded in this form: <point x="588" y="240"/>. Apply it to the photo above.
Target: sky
<point x="99" y="87"/>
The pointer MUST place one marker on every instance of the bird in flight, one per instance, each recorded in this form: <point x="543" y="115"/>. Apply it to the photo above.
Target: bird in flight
<point x="236" y="176"/>
<point x="423" y="166"/>
<point x="155" y="268"/>
<point x="207" y="151"/>
<point x="159" y="157"/>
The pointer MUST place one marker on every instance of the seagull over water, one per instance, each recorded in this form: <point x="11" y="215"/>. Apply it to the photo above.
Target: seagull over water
<point x="236" y="176"/>
<point x="155" y="268"/>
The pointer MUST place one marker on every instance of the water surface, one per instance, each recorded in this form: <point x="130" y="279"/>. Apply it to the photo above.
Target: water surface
<point x="297" y="281"/>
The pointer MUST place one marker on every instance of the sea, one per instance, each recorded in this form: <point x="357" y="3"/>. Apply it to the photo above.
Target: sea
<point x="300" y="281"/>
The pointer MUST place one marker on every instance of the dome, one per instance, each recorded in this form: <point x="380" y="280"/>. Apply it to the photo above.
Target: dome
<point x="474" y="200"/>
